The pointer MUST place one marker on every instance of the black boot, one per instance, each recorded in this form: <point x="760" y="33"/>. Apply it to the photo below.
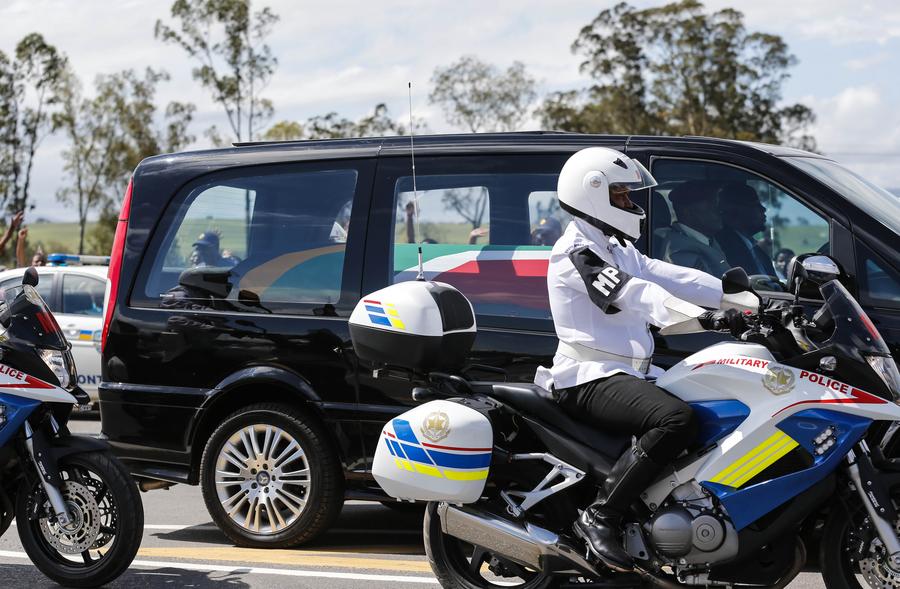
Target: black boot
<point x="600" y="524"/>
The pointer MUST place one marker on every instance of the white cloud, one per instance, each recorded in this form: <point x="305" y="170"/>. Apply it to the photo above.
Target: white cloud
<point x="861" y="129"/>
<point x="867" y="61"/>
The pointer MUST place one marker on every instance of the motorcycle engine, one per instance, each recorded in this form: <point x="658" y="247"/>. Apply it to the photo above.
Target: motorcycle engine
<point x="690" y="530"/>
<point x="674" y="531"/>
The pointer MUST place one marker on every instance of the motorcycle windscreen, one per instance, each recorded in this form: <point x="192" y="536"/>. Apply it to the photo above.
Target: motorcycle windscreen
<point x="439" y="451"/>
<point x="852" y="327"/>
<point x="30" y="320"/>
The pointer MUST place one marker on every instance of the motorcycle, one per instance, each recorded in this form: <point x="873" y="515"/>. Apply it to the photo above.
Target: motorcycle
<point x="797" y="424"/>
<point x="77" y="511"/>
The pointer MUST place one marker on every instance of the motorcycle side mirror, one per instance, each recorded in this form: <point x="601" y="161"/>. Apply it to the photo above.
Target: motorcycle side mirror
<point x="735" y="280"/>
<point x="31" y="277"/>
<point x="807" y="272"/>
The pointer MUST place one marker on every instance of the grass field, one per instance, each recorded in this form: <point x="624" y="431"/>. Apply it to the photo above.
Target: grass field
<point x="54" y="237"/>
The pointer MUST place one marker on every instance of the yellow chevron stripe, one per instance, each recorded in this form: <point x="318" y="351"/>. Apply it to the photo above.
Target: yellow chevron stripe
<point x="403" y="464"/>
<point x="743" y="460"/>
<point x="466" y="475"/>
<point x="773" y="458"/>
<point x="764" y="458"/>
<point x="428" y="470"/>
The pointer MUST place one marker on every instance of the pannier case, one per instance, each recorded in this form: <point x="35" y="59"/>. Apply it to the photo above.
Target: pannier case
<point x="439" y="451"/>
<point x="419" y="325"/>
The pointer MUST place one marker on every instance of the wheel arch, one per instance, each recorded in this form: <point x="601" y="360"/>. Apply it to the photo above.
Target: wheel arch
<point x="253" y="385"/>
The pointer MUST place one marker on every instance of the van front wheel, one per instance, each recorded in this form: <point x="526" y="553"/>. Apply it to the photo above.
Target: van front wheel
<point x="269" y="477"/>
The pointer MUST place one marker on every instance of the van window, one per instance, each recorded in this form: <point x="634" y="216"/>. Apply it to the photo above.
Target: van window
<point x="263" y="243"/>
<point x="714" y="217"/>
<point x="879" y="284"/>
<point x="478" y="233"/>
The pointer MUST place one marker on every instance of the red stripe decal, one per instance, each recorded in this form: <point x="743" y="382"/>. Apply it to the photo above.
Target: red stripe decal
<point x="857" y="396"/>
<point x="390" y="435"/>
<point x="372" y="302"/>
<point x="436" y="447"/>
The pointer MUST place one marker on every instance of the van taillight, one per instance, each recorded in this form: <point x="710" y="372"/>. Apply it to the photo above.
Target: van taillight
<point x="115" y="263"/>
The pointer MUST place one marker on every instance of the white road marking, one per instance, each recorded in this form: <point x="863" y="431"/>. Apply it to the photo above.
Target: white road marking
<point x="192" y="566"/>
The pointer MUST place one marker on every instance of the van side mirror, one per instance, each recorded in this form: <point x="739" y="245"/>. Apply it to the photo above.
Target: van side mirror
<point x="31" y="277"/>
<point x="735" y="280"/>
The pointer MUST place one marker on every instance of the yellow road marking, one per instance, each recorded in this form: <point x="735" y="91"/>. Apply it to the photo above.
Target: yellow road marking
<point x="286" y="557"/>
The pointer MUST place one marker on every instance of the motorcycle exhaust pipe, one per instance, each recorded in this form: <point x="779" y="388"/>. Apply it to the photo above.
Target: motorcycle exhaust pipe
<point x="527" y="544"/>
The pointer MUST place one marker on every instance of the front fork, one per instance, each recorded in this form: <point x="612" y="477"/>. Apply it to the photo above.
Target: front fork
<point x="39" y="450"/>
<point x="875" y="496"/>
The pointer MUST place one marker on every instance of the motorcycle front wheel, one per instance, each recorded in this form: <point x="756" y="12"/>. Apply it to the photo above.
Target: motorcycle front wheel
<point x="460" y="565"/>
<point x="106" y="528"/>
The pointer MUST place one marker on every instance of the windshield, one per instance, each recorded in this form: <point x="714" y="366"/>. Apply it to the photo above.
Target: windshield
<point x="30" y="320"/>
<point x="852" y="327"/>
<point x="873" y="199"/>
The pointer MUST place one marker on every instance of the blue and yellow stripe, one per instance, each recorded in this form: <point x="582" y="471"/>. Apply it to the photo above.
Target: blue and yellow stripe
<point x="411" y="456"/>
<point x="756" y="460"/>
<point x="383" y="314"/>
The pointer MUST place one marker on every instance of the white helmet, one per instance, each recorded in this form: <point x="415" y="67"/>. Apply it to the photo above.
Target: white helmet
<point x="584" y="190"/>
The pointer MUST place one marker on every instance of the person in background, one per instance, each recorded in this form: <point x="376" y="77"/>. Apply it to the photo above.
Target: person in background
<point x="691" y="242"/>
<point x="11" y="230"/>
<point x="38" y="259"/>
<point x="743" y="217"/>
<point x="206" y="252"/>
<point x="782" y="258"/>
<point x="547" y="232"/>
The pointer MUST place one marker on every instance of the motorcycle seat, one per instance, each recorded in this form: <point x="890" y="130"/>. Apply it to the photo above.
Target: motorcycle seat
<point x="540" y="405"/>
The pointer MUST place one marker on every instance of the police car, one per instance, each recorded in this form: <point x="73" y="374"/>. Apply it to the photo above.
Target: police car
<point x="73" y="287"/>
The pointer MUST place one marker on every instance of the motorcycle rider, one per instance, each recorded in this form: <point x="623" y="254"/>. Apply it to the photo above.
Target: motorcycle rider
<point x="604" y="295"/>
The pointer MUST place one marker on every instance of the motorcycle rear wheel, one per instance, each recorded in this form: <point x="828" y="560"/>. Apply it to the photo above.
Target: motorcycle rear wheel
<point x="459" y="565"/>
<point x="107" y="511"/>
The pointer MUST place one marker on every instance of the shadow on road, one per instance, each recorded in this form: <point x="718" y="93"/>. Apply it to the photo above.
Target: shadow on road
<point x="25" y="575"/>
<point x="369" y="528"/>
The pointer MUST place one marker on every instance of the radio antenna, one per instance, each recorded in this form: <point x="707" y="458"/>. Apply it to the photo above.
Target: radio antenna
<point x="412" y="153"/>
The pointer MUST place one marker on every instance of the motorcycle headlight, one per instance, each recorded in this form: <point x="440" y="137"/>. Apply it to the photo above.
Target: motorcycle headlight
<point x="885" y="367"/>
<point x="58" y="363"/>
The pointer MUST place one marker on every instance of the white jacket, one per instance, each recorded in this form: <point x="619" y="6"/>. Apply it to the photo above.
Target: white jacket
<point x="628" y="291"/>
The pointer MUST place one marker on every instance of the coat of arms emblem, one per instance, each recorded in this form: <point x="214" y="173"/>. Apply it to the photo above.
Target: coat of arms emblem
<point x="436" y="426"/>
<point x="779" y="380"/>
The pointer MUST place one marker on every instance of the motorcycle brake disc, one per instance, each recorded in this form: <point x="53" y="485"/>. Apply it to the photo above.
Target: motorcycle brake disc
<point x="82" y="531"/>
<point x="874" y="567"/>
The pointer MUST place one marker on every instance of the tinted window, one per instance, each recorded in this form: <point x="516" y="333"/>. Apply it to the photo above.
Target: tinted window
<point x="713" y="217"/>
<point x="479" y="235"/>
<point x="257" y="243"/>
<point x="879" y="283"/>
<point x="82" y="295"/>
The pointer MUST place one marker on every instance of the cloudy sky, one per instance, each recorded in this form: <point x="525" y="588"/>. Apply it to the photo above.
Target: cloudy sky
<point x="346" y="56"/>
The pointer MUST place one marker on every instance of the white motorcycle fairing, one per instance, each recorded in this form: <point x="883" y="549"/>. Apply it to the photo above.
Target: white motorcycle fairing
<point x="753" y="412"/>
<point x="15" y="382"/>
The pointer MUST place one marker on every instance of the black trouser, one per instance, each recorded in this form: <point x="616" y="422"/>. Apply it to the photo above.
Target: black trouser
<point x="625" y="404"/>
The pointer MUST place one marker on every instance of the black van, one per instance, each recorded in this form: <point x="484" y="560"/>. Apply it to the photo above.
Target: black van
<point x="226" y="353"/>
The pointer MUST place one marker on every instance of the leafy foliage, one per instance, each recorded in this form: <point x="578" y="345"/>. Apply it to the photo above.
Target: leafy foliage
<point x="227" y="41"/>
<point x="109" y="135"/>
<point x="333" y="126"/>
<point x="29" y="91"/>
<point x="477" y="96"/>
<point x="679" y="70"/>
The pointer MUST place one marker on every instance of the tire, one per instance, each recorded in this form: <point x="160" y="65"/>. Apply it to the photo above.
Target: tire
<point x="129" y="525"/>
<point x="447" y="558"/>
<point x="278" y="505"/>
<point x="838" y="572"/>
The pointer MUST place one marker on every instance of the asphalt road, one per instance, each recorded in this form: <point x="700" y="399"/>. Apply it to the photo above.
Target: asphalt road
<point x="371" y="546"/>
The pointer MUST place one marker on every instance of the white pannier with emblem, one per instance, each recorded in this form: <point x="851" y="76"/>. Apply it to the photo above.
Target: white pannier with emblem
<point x="439" y="451"/>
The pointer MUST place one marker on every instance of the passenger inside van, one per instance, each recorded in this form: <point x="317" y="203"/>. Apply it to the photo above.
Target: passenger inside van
<point x="690" y="241"/>
<point x="743" y="216"/>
